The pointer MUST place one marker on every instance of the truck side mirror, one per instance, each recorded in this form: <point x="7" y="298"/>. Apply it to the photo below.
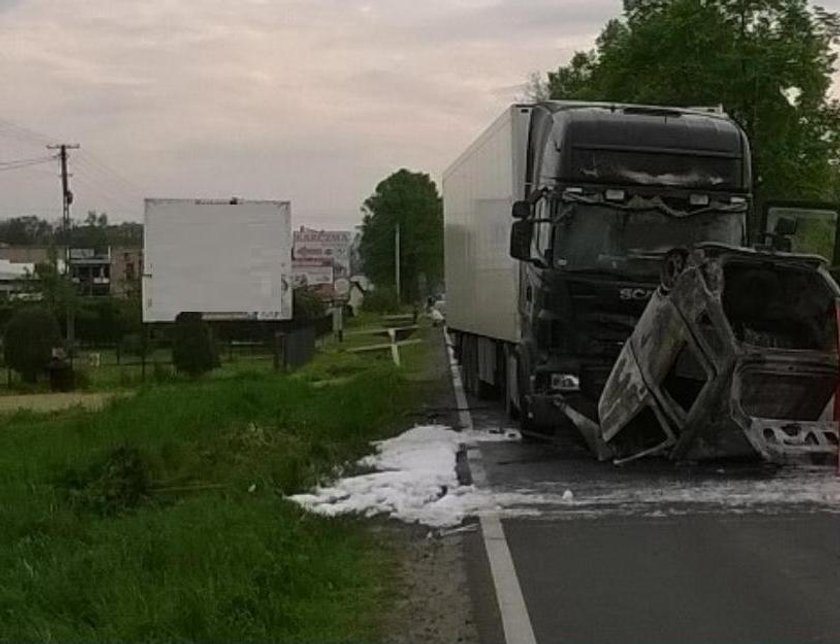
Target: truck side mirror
<point x="520" y="239"/>
<point x="521" y="210"/>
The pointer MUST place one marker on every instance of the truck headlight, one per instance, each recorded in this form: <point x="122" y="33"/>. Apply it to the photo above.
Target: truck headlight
<point x="565" y="382"/>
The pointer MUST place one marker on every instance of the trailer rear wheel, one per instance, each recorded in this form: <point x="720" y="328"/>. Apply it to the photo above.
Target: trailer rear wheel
<point x="510" y="377"/>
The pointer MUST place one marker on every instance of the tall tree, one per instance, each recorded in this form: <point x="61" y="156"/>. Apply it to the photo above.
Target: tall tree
<point x="411" y="200"/>
<point x="768" y="62"/>
<point x="95" y="231"/>
<point x="25" y="231"/>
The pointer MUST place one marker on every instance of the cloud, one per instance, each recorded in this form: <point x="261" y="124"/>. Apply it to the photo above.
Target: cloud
<point x="311" y="100"/>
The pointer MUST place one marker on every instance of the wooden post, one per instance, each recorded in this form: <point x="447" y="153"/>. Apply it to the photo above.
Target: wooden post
<point x="279" y="351"/>
<point x="144" y="343"/>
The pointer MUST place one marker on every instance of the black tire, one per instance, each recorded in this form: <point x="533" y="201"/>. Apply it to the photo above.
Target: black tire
<point x="527" y="427"/>
<point x="469" y="366"/>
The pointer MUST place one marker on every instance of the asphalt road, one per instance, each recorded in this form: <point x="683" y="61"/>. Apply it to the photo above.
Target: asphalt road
<point x="652" y="552"/>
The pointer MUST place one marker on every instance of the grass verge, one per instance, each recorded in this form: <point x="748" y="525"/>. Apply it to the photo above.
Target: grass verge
<point x="161" y="517"/>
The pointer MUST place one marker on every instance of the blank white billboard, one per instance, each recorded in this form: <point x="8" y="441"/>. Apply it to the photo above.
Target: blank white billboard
<point x="227" y="260"/>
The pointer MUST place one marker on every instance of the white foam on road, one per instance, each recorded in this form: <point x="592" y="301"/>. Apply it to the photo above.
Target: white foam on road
<point x="795" y="489"/>
<point x="414" y="480"/>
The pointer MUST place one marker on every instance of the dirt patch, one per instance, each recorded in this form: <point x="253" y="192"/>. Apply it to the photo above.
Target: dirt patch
<point x="433" y="602"/>
<point x="46" y="403"/>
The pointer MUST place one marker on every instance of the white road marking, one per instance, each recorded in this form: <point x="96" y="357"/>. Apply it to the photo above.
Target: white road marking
<point x="516" y="622"/>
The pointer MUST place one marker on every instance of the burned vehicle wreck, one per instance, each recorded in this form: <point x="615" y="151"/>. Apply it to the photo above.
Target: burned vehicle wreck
<point x="735" y="355"/>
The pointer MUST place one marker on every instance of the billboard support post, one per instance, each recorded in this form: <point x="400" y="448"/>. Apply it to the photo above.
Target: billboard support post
<point x="279" y="351"/>
<point x="397" y="261"/>
<point x="144" y="342"/>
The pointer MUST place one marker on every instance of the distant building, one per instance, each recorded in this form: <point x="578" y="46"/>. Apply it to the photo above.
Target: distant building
<point x="13" y="278"/>
<point x="24" y="254"/>
<point x="126" y="271"/>
<point x="359" y="287"/>
<point x="356" y="267"/>
<point x="91" y="271"/>
<point x="113" y="272"/>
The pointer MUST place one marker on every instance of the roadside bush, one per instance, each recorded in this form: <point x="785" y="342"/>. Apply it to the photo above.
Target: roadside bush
<point x="383" y="299"/>
<point x="118" y="483"/>
<point x="81" y="380"/>
<point x="307" y="305"/>
<point x="161" y="373"/>
<point x="7" y="311"/>
<point x="193" y="351"/>
<point x="30" y="336"/>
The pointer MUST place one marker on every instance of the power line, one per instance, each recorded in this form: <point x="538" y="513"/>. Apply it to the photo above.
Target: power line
<point x="92" y="171"/>
<point x="16" y="161"/>
<point x="105" y="190"/>
<point x="23" y="163"/>
<point x="24" y="133"/>
<point x="108" y="202"/>
<point x="97" y="165"/>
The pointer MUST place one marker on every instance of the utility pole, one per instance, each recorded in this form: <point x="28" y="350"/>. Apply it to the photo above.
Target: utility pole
<point x="66" y="201"/>
<point x="397" y="260"/>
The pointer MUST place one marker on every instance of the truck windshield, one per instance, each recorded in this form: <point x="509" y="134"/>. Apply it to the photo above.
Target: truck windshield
<point x="657" y="169"/>
<point x="602" y="237"/>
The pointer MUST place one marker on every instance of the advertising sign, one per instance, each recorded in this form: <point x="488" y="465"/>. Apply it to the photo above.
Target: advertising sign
<point x="325" y="245"/>
<point x="312" y="272"/>
<point x="224" y="259"/>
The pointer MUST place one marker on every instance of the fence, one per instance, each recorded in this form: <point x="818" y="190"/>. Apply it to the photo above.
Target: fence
<point x="261" y="347"/>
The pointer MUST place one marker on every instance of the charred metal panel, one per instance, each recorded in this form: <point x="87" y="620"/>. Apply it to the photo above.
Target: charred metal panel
<point x="735" y="354"/>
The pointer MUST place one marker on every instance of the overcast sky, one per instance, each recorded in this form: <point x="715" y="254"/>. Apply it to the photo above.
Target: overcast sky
<point x="313" y="101"/>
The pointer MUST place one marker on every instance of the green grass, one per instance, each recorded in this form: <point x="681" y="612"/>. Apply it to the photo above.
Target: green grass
<point x="162" y="518"/>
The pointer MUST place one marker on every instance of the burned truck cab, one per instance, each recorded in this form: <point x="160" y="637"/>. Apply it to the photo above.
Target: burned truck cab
<point x="735" y="356"/>
<point x="610" y="190"/>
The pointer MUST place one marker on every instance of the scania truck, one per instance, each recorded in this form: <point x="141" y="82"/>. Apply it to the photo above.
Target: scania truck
<point x="557" y="221"/>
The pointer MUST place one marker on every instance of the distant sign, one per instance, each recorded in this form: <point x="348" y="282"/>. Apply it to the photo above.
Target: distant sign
<point x="331" y="245"/>
<point x="82" y="253"/>
<point x="342" y="286"/>
<point x="312" y="272"/>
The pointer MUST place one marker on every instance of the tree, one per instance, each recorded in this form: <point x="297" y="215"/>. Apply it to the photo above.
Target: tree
<point x="411" y="200"/>
<point x="30" y="337"/>
<point x="94" y="232"/>
<point x="768" y="62"/>
<point x="193" y="351"/>
<point x="26" y="231"/>
<point x="56" y="289"/>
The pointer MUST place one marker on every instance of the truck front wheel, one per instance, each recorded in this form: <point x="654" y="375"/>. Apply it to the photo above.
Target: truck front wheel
<point x="527" y="425"/>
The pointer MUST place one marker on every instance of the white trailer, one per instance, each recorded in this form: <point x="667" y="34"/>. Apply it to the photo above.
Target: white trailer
<point x="482" y="279"/>
<point x="224" y="259"/>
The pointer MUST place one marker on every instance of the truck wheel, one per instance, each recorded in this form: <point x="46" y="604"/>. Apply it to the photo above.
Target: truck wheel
<point x="511" y="406"/>
<point x="527" y="427"/>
